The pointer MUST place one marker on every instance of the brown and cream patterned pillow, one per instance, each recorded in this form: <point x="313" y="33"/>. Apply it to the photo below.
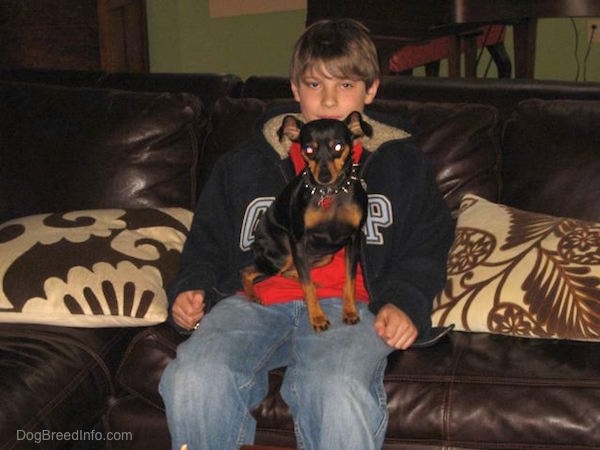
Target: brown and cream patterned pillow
<point x="521" y="273"/>
<point x="98" y="268"/>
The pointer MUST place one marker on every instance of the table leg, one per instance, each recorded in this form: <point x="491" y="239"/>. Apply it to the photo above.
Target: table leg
<point x="524" y="36"/>
<point x="454" y="56"/>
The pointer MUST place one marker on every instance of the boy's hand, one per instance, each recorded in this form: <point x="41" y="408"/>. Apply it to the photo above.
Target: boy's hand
<point x="395" y="327"/>
<point x="188" y="309"/>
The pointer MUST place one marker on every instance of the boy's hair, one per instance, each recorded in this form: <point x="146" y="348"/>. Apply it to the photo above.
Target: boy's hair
<point x="342" y="46"/>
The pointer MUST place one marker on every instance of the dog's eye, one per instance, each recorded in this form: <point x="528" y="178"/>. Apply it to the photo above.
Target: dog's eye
<point x="309" y="150"/>
<point x="338" y="147"/>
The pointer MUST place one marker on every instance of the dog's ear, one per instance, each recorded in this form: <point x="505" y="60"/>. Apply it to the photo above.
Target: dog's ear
<point x="290" y="128"/>
<point x="357" y="126"/>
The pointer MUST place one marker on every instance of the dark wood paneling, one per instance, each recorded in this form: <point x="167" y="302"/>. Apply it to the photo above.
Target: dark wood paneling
<point x="74" y="34"/>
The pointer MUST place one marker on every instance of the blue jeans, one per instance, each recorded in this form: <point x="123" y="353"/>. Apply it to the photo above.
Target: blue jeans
<point x="333" y="383"/>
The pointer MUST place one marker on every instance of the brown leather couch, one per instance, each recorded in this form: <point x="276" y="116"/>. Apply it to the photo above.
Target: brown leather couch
<point x="473" y="390"/>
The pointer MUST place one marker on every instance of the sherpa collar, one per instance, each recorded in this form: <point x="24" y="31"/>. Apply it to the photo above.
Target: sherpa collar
<point x="381" y="133"/>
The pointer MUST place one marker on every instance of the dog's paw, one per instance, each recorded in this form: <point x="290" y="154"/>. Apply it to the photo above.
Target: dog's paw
<point x="350" y="318"/>
<point x="320" y="323"/>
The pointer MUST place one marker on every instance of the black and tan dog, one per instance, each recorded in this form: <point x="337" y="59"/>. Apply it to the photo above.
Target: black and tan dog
<point x="318" y="213"/>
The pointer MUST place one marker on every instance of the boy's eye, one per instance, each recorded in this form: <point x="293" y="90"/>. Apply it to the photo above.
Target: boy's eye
<point x="347" y="85"/>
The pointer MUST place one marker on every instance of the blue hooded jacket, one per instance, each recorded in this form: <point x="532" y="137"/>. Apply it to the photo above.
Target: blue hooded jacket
<point x="406" y="237"/>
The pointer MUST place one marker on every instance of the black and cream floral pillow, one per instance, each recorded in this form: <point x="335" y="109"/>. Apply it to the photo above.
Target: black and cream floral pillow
<point x="98" y="268"/>
<point x="520" y="273"/>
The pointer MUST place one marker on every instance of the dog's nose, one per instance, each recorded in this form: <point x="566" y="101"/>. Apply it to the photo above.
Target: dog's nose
<point x="324" y="174"/>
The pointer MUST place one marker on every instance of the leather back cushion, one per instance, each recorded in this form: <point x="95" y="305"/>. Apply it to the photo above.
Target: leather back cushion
<point x="68" y="149"/>
<point x="232" y="122"/>
<point x="552" y="158"/>
<point x="461" y="140"/>
<point x="208" y="87"/>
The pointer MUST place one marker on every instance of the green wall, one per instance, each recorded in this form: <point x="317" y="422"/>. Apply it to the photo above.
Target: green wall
<point x="183" y="38"/>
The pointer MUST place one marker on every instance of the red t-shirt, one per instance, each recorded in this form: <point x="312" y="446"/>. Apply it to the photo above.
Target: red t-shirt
<point x="328" y="279"/>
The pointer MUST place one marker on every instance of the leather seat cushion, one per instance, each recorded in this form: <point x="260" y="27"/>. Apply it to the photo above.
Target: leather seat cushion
<point x="55" y="378"/>
<point x="483" y="387"/>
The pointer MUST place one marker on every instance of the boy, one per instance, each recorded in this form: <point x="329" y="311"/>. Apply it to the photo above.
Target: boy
<point x="334" y="379"/>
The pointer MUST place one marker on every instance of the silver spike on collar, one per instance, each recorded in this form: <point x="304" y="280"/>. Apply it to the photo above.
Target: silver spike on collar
<point x="342" y="185"/>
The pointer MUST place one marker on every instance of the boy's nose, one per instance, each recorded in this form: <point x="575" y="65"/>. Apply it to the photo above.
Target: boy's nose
<point x="329" y="99"/>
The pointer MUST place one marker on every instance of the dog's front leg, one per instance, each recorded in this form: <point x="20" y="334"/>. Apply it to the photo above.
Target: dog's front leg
<point x="349" y="312"/>
<point x="318" y="319"/>
<point x="249" y="276"/>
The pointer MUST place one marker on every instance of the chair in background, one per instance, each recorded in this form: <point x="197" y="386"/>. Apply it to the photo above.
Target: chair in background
<point x="430" y="52"/>
<point x="410" y="40"/>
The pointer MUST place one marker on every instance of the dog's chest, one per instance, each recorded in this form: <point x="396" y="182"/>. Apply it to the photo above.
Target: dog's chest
<point x="337" y="213"/>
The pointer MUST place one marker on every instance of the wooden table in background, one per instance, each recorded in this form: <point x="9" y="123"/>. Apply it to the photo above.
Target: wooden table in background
<point x="422" y="19"/>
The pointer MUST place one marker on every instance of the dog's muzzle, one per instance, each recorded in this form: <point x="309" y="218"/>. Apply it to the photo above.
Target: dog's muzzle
<point x="324" y="175"/>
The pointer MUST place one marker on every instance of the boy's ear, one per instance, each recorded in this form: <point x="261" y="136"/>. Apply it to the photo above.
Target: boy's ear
<point x="294" y="87"/>
<point x="372" y="91"/>
<point x="290" y="128"/>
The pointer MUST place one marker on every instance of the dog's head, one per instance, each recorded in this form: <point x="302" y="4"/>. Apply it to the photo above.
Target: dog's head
<point x="326" y="143"/>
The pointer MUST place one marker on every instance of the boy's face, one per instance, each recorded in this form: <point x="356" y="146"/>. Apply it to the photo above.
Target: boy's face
<point x="322" y="95"/>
